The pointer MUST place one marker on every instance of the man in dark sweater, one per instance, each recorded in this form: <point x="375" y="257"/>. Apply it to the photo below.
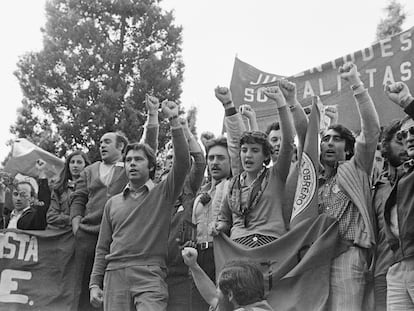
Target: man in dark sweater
<point x="96" y="184"/>
<point x="132" y="246"/>
<point x="399" y="211"/>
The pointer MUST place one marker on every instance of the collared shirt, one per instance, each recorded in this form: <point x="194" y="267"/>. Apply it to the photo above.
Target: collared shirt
<point x="107" y="178"/>
<point x="334" y="202"/>
<point x="145" y="188"/>
<point x="14" y="218"/>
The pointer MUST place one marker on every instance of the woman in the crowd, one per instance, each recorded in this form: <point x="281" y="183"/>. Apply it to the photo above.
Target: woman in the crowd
<point x="58" y="213"/>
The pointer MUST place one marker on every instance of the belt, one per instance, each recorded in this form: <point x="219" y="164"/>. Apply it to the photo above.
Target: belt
<point x="204" y="245"/>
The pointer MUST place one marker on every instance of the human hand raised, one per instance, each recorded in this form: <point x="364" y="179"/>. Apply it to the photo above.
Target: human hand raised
<point x="288" y="90"/>
<point x="274" y="92"/>
<point x="247" y="111"/>
<point x="223" y="94"/>
<point x="170" y="109"/>
<point x="398" y="93"/>
<point x="206" y="137"/>
<point x="349" y="72"/>
<point x="190" y="255"/>
<point x="152" y="104"/>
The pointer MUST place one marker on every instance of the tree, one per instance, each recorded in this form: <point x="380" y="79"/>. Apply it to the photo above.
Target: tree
<point x="98" y="61"/>
<point x="392" y="24"/>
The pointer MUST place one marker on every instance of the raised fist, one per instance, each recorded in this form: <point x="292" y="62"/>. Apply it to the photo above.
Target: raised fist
<point x="223" y="94"/>
<point x="170" y="109"/>
<point x="152" y="104"/>
<point x="247" y="111"/>
<point x="288" y="89"/>
<point x="398" y="93"/>
<point x="274" y="92"/>
<point x="349" y="72"/>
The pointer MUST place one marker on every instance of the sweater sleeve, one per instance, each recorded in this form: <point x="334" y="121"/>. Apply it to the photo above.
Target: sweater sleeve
<point x="366" y="142"/>
<point x="235" y="127"/>
<point x="44" y="192"/>
<point x="300" y="122"/>
<point x="197" y="171"/>
<point x="151" y="136"/>
<point x="224" y="218"/>
<point x="55" y="215"/>
<point x="282" y="165"/>
<point x="181" y="165"/>
<point x="102" y="248"/>
<point x="410" y="109"/>
<point x="80" y="196"/>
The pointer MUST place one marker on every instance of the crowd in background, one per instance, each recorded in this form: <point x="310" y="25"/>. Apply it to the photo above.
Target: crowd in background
<point x="144" y="226"/>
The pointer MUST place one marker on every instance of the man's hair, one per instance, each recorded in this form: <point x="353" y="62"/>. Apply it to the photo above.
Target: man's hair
<point x="257" y="137"/>
<point x="244" y="279"/>
<point x="149" y="153"/>
<point x="275" y="126"/>
<point x="347" y="135"/>
<point x="120" y="138"/>
<point x="218" y="141"/>
<point x="24" y="182"/>
<point x="387" y="135"/>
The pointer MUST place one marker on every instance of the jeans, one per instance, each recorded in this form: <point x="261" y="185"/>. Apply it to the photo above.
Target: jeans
<point x="400" y="286"/>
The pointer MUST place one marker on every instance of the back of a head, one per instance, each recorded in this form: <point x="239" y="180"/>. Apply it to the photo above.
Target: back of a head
<point x="244" y="279"/>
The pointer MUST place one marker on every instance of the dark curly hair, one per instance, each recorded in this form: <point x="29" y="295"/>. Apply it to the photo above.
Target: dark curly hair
<point x="257" y="137"/>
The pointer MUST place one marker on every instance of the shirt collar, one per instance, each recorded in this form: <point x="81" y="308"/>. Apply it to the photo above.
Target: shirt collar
<point x="408" y="165"/>
<point x="149" y="185"/>
<point x="15" y="213"/>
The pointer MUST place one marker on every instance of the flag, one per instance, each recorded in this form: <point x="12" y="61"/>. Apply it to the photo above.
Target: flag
<point x="296" y="267"/>
<point x="388" y="60"/>
<point x="24" y="157"/>
<point x="305" y="204"/>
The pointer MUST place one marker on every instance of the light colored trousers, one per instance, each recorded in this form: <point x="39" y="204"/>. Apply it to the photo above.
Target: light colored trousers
<point x="348" y="280"/>
<point x="400" y="286"/>
<point x="141" y="288"/>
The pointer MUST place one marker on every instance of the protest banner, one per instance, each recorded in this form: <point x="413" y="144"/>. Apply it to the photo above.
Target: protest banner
<point x="24" y="156"/>
<point x="36" y="270"/>
<point x="388" y="60"/>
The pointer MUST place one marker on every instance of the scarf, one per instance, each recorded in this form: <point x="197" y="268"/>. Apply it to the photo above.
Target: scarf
<point x="255" y="193"/>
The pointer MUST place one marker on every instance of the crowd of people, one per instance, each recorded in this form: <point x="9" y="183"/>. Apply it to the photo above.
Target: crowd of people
<point x="144" y="232"/>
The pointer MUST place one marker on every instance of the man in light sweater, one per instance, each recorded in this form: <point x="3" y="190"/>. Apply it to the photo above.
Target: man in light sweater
<point x="129" y="270"/>
<point x="96" y="184"/>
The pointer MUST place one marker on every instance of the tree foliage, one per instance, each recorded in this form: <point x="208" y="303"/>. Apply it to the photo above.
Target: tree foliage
<point x="98" y="61"/>
<point x="392" y="23"/>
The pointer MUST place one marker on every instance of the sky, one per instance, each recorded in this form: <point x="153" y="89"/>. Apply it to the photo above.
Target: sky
<point x="280" y="37"/>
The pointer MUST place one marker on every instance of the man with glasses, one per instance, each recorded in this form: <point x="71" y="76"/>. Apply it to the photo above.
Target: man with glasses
<point x="399" y="210"/>
<point x="25" y="215"/>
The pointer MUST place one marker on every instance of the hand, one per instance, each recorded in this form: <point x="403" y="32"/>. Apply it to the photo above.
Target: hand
<point x="41" y="168"/>
<point x="75" y="224"/>
<point x="96" y="297"/>
<point x="190" y="255"/>
<point x="398" y="93"/>
<point x="247" y="111"/>
<point x="349" y="72"/>
<point x="332" y="113"/>
<point x="183" y="122"/>
<point x="152" y="104"/>
<point x="274" y="92"/>
<point x="216" y="227"/>
<point x="206" y="137"/>
<point x="170" y="109"/>
<point x="223" y="94"/>
<point x="288" y="89"/>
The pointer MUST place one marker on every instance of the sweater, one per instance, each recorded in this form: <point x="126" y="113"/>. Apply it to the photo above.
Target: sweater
<point x="134" y="231"/>
<point x="91" y="194"/>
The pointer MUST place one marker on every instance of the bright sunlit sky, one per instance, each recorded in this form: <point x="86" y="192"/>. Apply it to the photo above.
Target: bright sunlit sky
<point x="280" y="37"/>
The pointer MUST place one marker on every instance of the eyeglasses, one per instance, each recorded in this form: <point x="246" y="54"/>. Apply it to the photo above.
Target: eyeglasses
<point x="169" y="157"/>
<point x="22" y="194"/>
<point x="403" y="134"/>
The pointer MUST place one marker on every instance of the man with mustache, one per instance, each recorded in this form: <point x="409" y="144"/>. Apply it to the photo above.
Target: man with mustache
<point x="96" y="184"/>
<point x="393" y="151"/>
<point x="398" y="211"/>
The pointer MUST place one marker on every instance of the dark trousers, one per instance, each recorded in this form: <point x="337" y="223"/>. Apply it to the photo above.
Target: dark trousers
<point x="206" y="261"/>
<point x="85" y="244"/>
<point x="179" y="293"/>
